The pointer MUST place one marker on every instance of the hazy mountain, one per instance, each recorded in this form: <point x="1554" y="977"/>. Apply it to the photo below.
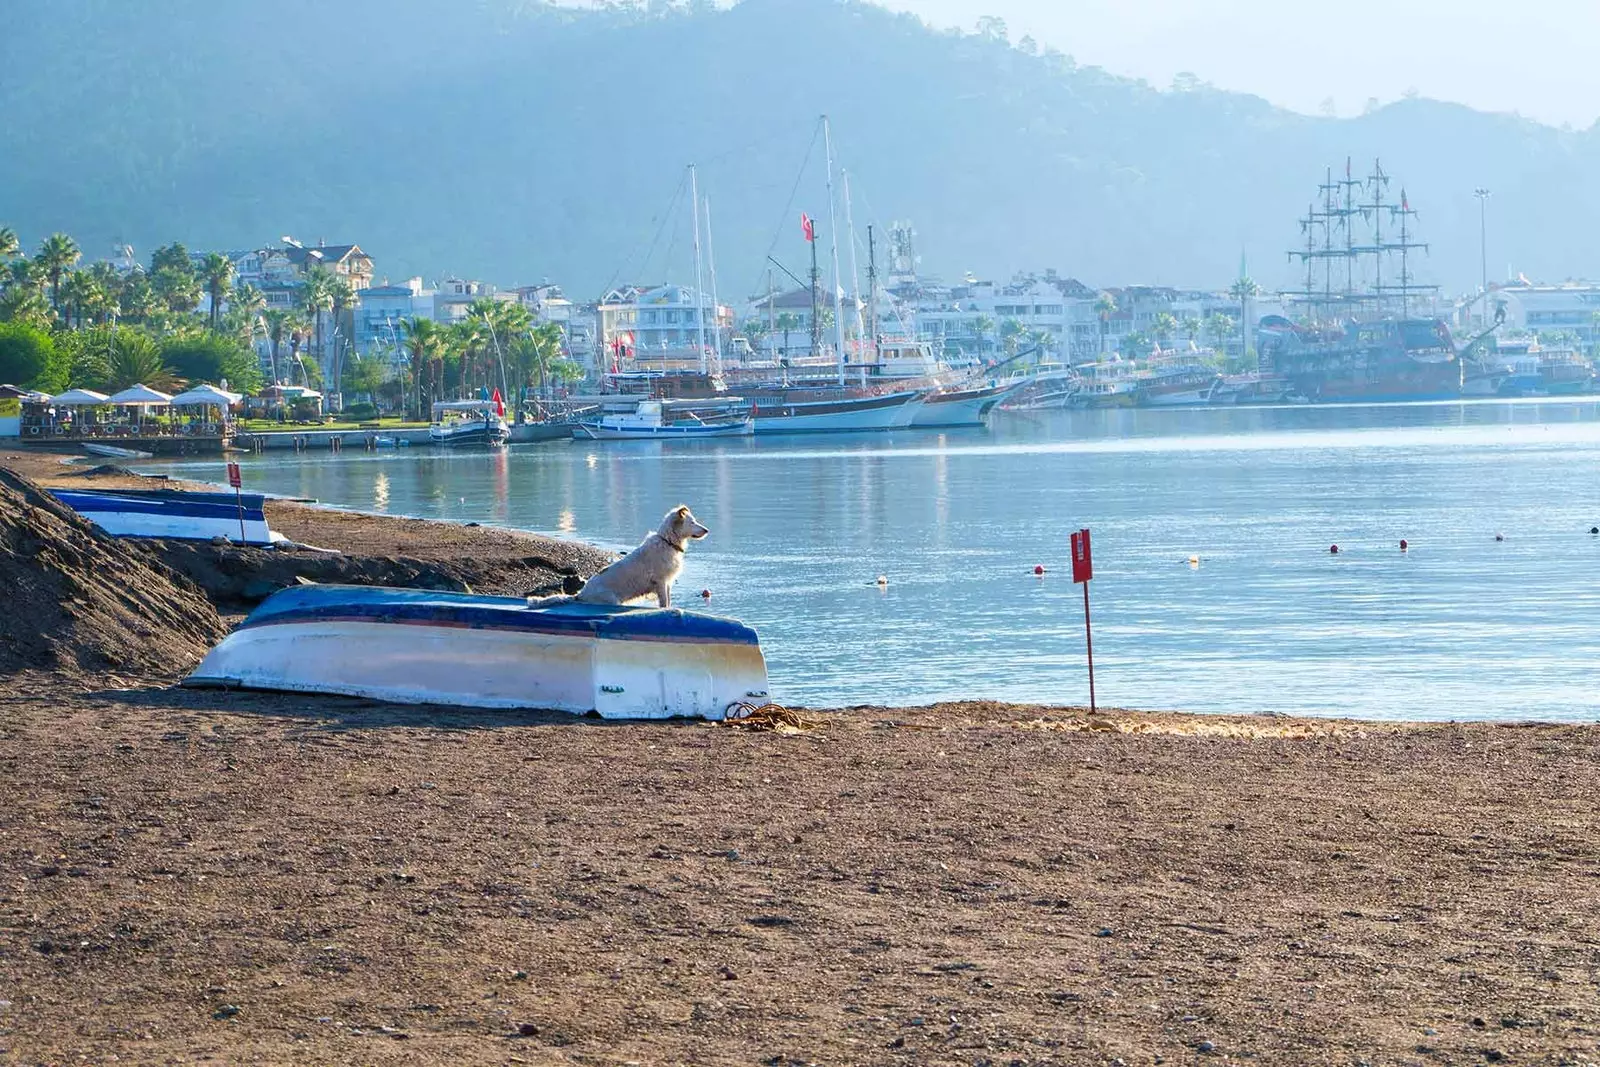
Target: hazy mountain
<point x="513" y="141"/>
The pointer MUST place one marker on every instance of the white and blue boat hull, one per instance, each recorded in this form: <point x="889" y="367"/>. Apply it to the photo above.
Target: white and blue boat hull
<point x="422" y="647"/>
<point x="890" y="411"/>
<point x="170" y="514"/>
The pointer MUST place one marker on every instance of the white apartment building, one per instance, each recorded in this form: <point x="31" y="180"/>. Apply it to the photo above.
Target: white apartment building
<point x="1567" y="307"/>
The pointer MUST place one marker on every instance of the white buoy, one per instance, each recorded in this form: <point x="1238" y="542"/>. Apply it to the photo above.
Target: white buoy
<point x="1194" y="561"/>
<point x="883" y="581"/>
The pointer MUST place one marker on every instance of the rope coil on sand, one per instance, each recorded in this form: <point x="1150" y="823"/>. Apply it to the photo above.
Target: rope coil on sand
<point x="765" y="717"/>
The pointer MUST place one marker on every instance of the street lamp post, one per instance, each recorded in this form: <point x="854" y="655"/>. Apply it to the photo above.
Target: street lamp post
<point x="1483" y="242"/>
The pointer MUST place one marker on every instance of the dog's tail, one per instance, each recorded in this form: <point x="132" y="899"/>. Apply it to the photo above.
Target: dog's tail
<point x="551" y="601"/>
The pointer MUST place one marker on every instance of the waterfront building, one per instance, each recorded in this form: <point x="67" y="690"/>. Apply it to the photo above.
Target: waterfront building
<point x="548" y="303"/>
<point x="382" y="308"/>
<point x="659" y="325"/>
<point x="1571" y="307"/>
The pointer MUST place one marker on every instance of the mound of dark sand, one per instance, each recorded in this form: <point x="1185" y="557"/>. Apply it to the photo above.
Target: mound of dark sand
<point x="79" y="602"/>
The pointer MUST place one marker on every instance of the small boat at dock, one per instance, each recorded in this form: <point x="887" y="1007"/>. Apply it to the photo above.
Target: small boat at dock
<point x="414" y="646"/>
<point x="670" y="420"/>
<point x="468" y="422"/>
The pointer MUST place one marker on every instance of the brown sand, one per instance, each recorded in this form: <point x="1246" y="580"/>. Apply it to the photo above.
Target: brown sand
<point x="250" y="878"/>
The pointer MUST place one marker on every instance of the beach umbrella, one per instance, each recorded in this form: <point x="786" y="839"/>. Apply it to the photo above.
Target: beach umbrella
<point x="80" y="398"/>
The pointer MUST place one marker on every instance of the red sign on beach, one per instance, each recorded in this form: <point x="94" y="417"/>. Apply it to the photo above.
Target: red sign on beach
<point x="233" y="475"/>
<point x="1082" y="563"/>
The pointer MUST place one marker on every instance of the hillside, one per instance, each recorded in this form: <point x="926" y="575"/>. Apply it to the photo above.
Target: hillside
<point x="513" y="141"/>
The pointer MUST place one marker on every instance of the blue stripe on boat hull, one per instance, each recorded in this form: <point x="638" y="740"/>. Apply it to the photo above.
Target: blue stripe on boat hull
<point x="333" y="603"/>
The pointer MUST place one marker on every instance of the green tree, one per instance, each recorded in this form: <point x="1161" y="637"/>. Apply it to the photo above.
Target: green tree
<point x="982" y="326"/>
<point x="24" y="304"/>
<point x="281" y="324"/>
<point x="88" y="356"/>
<point x="786" y="322"/>
<point x="245" y="306"/>
<point x="316" y="297"/>
<point x="1105" y="306"/>
<point x="1164" y="325"/>
<point x="341" y="298"/>
<point x="216" y="273"/>
<point x="28" y="358"/>
<point x="1245" y="290"/>
<point x="178" y="291"/>
<point x="9" y="245"/>
<point x="423" y="340"/>
<point x="366" y="376"/>
<point x="137" y="299"/>
<point x="135" y="359"/>
<point x="213" y="357"/>
<point x="1219" y="327"/>
<point x="55" y="257"/>
<point x="1011" y="334"/>
<point x="1135" y="346"/>
<point x="533" y="358"/>
<point x="171" y="257"/>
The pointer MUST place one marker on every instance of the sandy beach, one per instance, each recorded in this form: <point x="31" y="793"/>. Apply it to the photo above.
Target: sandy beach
<point x="241" y="878"/>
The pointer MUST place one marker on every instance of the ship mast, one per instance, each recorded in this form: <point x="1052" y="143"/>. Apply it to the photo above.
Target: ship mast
<point x="833" y="244"/>
<point x="699" y="295"/>
<point x="1330" y="236"/>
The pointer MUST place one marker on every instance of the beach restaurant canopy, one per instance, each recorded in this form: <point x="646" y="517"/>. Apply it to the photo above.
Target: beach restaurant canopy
<point x="206" y="396"/>
<point x="80" y="398"/>
<point x="139" y="396"/>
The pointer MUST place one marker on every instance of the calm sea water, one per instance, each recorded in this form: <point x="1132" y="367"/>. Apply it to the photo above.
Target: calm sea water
<point x="1461" y="626"/>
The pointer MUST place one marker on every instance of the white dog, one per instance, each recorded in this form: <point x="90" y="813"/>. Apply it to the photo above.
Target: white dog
<point x="650" y="568"/>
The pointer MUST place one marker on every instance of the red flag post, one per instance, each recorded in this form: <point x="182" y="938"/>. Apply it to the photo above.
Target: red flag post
<point x="1082" y="571"/>
<point x="236" y="481"/>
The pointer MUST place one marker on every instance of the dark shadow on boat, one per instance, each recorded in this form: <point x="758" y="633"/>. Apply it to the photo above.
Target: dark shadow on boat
<point x="332" y="712"/>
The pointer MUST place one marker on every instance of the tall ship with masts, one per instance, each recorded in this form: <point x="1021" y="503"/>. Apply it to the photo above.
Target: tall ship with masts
<point x="1363" y="328"/>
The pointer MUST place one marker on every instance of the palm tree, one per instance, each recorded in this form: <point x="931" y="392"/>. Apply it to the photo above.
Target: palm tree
<point x="55" y="256"/>
<point x="1164" y="325"/>
<point x="341" y="297"/>
<point x="981" y="326"/>
<point x="136" y="360"/>
<point x="1105" y="307"/>
<point x="107" y="290"/>
<point x="1244" y="290"/>
<point x="534" y="356"/>
<point x="316" y="296"/>
<point x="1011" y="331"/>
<point x="78" y="290"/>
<point x="1191" y="327"/>
<point x="247" y="303"/>
<point x="216" y="271"/>
<point x="9" y="245"/>
<point x="138" y="299"/>
<point x="787" y="322"/>
<point x="281" y="323"/>
<point x="423" y="339"/>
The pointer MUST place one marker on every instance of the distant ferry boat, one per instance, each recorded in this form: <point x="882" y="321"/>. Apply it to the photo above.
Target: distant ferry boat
<point x="1179" y="385"/>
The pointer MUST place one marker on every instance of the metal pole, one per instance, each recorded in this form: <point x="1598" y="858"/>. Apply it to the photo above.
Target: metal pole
<point x="1088" y="642"/>
<point x="1483" y="242"/>
<point x="699" y="297"/>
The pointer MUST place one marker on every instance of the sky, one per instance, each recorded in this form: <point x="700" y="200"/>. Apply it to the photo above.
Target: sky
<point x="1539" y="58"/>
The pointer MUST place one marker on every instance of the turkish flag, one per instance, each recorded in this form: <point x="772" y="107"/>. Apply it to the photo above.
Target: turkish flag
<point x="808" y="226"/>
<point x="499" y="404"/>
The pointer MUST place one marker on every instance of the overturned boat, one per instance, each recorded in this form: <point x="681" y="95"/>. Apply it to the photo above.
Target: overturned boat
<point x="414" y="646"/>
<point x="173" y="514"/>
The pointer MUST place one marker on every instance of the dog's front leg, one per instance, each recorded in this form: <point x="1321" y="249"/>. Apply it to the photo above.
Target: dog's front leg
<point x="664" y="596"/>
